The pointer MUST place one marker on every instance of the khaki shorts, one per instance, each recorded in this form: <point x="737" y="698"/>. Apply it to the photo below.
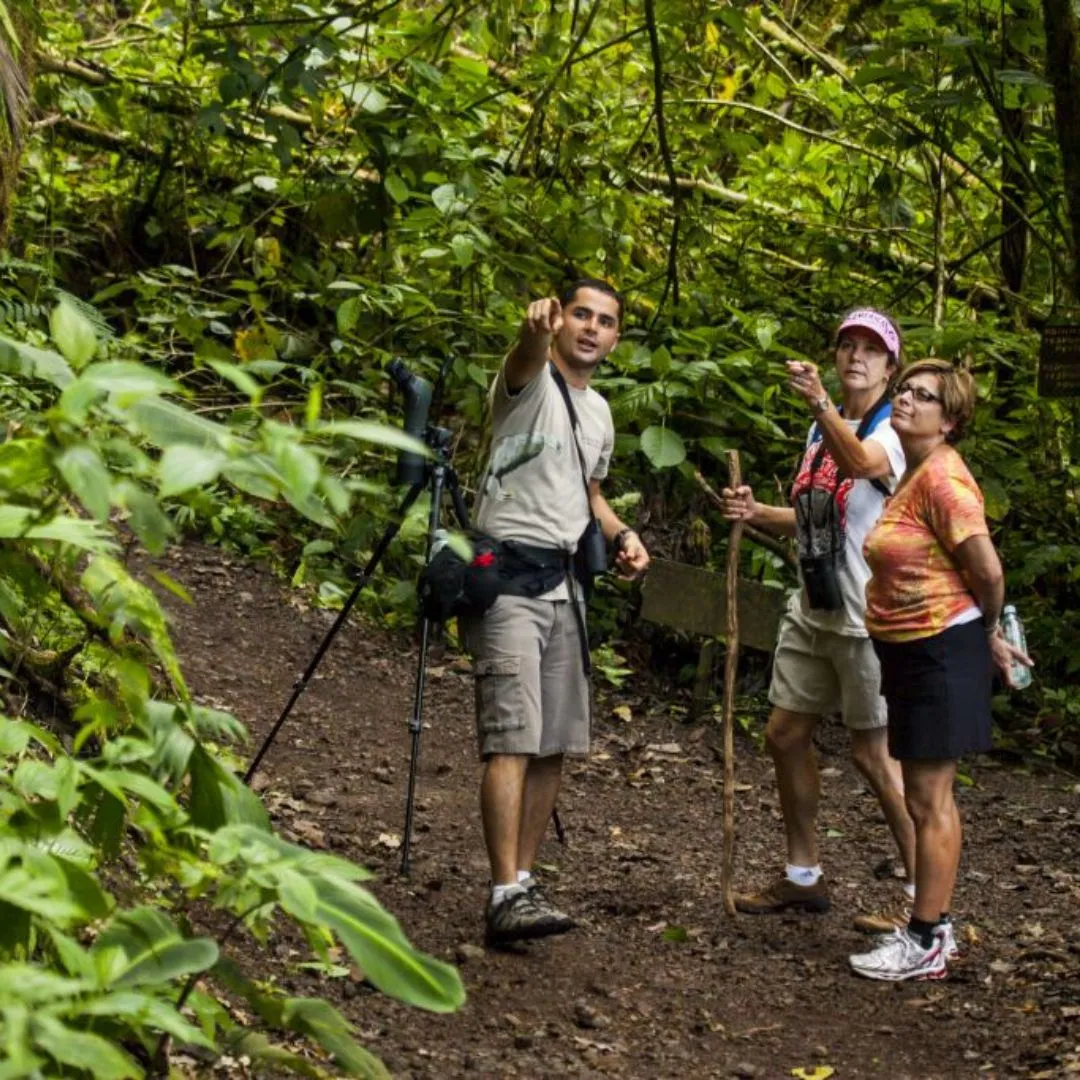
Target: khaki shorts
<point x="822" y="673"/>
<point x="532" y="694"/>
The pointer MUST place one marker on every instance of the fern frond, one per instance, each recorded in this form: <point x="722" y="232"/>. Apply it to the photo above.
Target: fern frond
<point x="636" y="403"/>
<point x="100" y="324"/>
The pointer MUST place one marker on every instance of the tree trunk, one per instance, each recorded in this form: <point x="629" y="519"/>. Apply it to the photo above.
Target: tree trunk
<point x="1014" y="238"/>
<point x="14" y="108"/>
<point x="1063" y="68"/>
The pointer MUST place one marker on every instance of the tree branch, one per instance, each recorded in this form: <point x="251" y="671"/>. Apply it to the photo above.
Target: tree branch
<point x="762" y="539"/>
<point x="824" y="136"/>
<point x="721" y="193"/>
<point x="99" y="76"/>
<point x="536" y="115"/>
<point x="1063" y="67"/>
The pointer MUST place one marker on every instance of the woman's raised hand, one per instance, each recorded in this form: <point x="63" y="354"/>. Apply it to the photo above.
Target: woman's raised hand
<point x="804" y="379"/>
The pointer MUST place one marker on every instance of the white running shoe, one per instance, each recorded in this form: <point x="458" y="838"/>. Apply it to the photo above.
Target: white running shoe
<point x="948" y="945"/>
<point x="952" y="950"/>
<point x="900" y="956"/>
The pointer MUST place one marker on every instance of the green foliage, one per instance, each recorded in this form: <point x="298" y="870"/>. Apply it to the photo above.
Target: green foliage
<point x="91" y="982"/>
<point x="270" y="202"/>
<point x="312" y="194"/>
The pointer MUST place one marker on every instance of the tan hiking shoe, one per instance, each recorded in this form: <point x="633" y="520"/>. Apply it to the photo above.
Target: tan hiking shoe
<point x="784" y="895"/>
<point x="883" y="922"/>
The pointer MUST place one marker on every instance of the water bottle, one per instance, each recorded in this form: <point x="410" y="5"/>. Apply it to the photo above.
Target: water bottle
<point x="1013" y="630"/>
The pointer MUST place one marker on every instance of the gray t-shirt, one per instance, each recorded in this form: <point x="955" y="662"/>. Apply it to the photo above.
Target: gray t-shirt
<point x="532" y="490"/>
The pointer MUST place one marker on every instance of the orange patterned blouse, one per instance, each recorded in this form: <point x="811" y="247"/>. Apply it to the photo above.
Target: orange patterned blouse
<point x="916" y="589"/>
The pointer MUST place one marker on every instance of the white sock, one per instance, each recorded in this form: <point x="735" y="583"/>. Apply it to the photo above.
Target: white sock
<point x="499" y="893"/>
<point x="523" y="876"/>
<point x="909" y="888"/>
<point x="803" y="875"/>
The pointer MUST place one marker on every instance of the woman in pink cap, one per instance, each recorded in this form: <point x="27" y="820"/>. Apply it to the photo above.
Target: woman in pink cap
<point x="824" y="662"/>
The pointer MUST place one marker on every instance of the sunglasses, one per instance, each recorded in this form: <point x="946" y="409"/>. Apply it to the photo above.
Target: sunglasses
<point x="917" y="392"/>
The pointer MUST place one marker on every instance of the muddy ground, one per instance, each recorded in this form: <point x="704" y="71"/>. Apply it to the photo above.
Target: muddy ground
<point x="656" y="982"/>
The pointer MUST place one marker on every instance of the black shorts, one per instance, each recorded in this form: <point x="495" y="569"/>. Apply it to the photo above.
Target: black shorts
<point x="938" y="693"/>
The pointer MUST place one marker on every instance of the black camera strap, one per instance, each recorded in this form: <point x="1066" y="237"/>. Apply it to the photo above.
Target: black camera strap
<point x="583" y="635"/>
<point x="560" y="382"/>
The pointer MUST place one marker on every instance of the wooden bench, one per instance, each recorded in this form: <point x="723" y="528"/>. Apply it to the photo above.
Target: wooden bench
<point x="694" y="600"/>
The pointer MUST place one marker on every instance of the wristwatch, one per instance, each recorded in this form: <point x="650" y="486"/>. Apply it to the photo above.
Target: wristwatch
<point x="620" y="538"/>
<point x="819" y="406"/>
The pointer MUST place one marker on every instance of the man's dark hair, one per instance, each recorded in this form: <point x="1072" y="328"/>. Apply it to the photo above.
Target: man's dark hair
<point x="566" y="297"/>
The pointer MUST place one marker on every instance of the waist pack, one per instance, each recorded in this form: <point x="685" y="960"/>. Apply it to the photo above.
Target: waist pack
<point x="451" y="586"/>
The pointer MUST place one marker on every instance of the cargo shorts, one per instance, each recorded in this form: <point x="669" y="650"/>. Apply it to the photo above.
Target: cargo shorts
<point x="532" y="694"/>
<point x="822" y="673"/>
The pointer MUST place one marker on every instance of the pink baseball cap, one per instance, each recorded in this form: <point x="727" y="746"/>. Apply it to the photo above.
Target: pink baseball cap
<point x="882" y="325"/>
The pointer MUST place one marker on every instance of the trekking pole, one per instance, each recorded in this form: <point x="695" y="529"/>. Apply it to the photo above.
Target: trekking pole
<point x="731" y="663"/>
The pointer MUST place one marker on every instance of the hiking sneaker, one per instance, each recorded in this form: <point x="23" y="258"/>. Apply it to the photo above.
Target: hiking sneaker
<point x="784" y="895"/>
<point x="900" y="956"/>
<point x="560" y="920"/>
<point x="517" y="918"/>
<point x="883" y="922"/>
<point x="952" y="950"/>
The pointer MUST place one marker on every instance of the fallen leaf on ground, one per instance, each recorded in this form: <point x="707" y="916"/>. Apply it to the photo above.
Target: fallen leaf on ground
<point x="623" y="713"/>
<point x="389" y="840"/>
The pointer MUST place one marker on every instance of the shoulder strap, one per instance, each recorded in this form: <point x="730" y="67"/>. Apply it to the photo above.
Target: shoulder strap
<point x="560" y="382"/>
<point x="880" y="410"/>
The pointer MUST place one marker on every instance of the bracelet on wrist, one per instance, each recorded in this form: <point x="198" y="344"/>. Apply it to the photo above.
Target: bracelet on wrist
<point x="620" y="538"/>
<point x="820" y="405"/>
<point x="992" y="628"/>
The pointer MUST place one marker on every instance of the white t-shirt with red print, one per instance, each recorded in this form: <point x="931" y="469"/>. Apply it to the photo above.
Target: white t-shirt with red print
<point x="857" y="505"/>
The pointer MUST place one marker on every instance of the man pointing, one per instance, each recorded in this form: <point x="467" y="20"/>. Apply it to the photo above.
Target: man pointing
<point x="551" y="446"/>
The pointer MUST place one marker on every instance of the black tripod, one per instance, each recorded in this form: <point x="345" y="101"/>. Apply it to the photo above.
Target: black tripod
<point x="439" y="477"/>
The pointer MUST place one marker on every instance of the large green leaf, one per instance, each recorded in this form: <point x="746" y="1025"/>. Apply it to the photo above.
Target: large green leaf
<point x="33" y="984"/>
<point x="375" y="941"/>
<point x="218" y="797"/>
<point x="380" y="434"/>
<point x="19" y="358"/>
<point x="20" y="523"/>
<point x="37" y="885"/>
<point x="154" y="952"/>
<point x="83" y="1051"/>
<point x="73" y="333"/>
<point x="127" y="379"/>
<point x="183" y="467"/>
<point x="88" y="478"/>
<point x="663" y="447"/>
<point x="167" y="424"/>
<point x="144" y="1010"/>
<point x="320" y="1020"/>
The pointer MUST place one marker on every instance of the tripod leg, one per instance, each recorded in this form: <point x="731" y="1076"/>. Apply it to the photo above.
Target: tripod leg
<point x="301" y="684"/>
<point x="416" y="721"/>
<point x="416" y="725"/>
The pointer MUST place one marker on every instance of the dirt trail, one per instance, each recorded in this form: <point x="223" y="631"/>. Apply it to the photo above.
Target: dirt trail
<point x="656" y="982"/>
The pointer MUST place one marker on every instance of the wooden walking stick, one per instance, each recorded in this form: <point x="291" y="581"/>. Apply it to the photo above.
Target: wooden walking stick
<point x="731" y="663"/>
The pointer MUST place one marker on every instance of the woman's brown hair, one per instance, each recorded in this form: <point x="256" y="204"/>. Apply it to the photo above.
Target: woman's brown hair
<point x="957" y="392"/>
